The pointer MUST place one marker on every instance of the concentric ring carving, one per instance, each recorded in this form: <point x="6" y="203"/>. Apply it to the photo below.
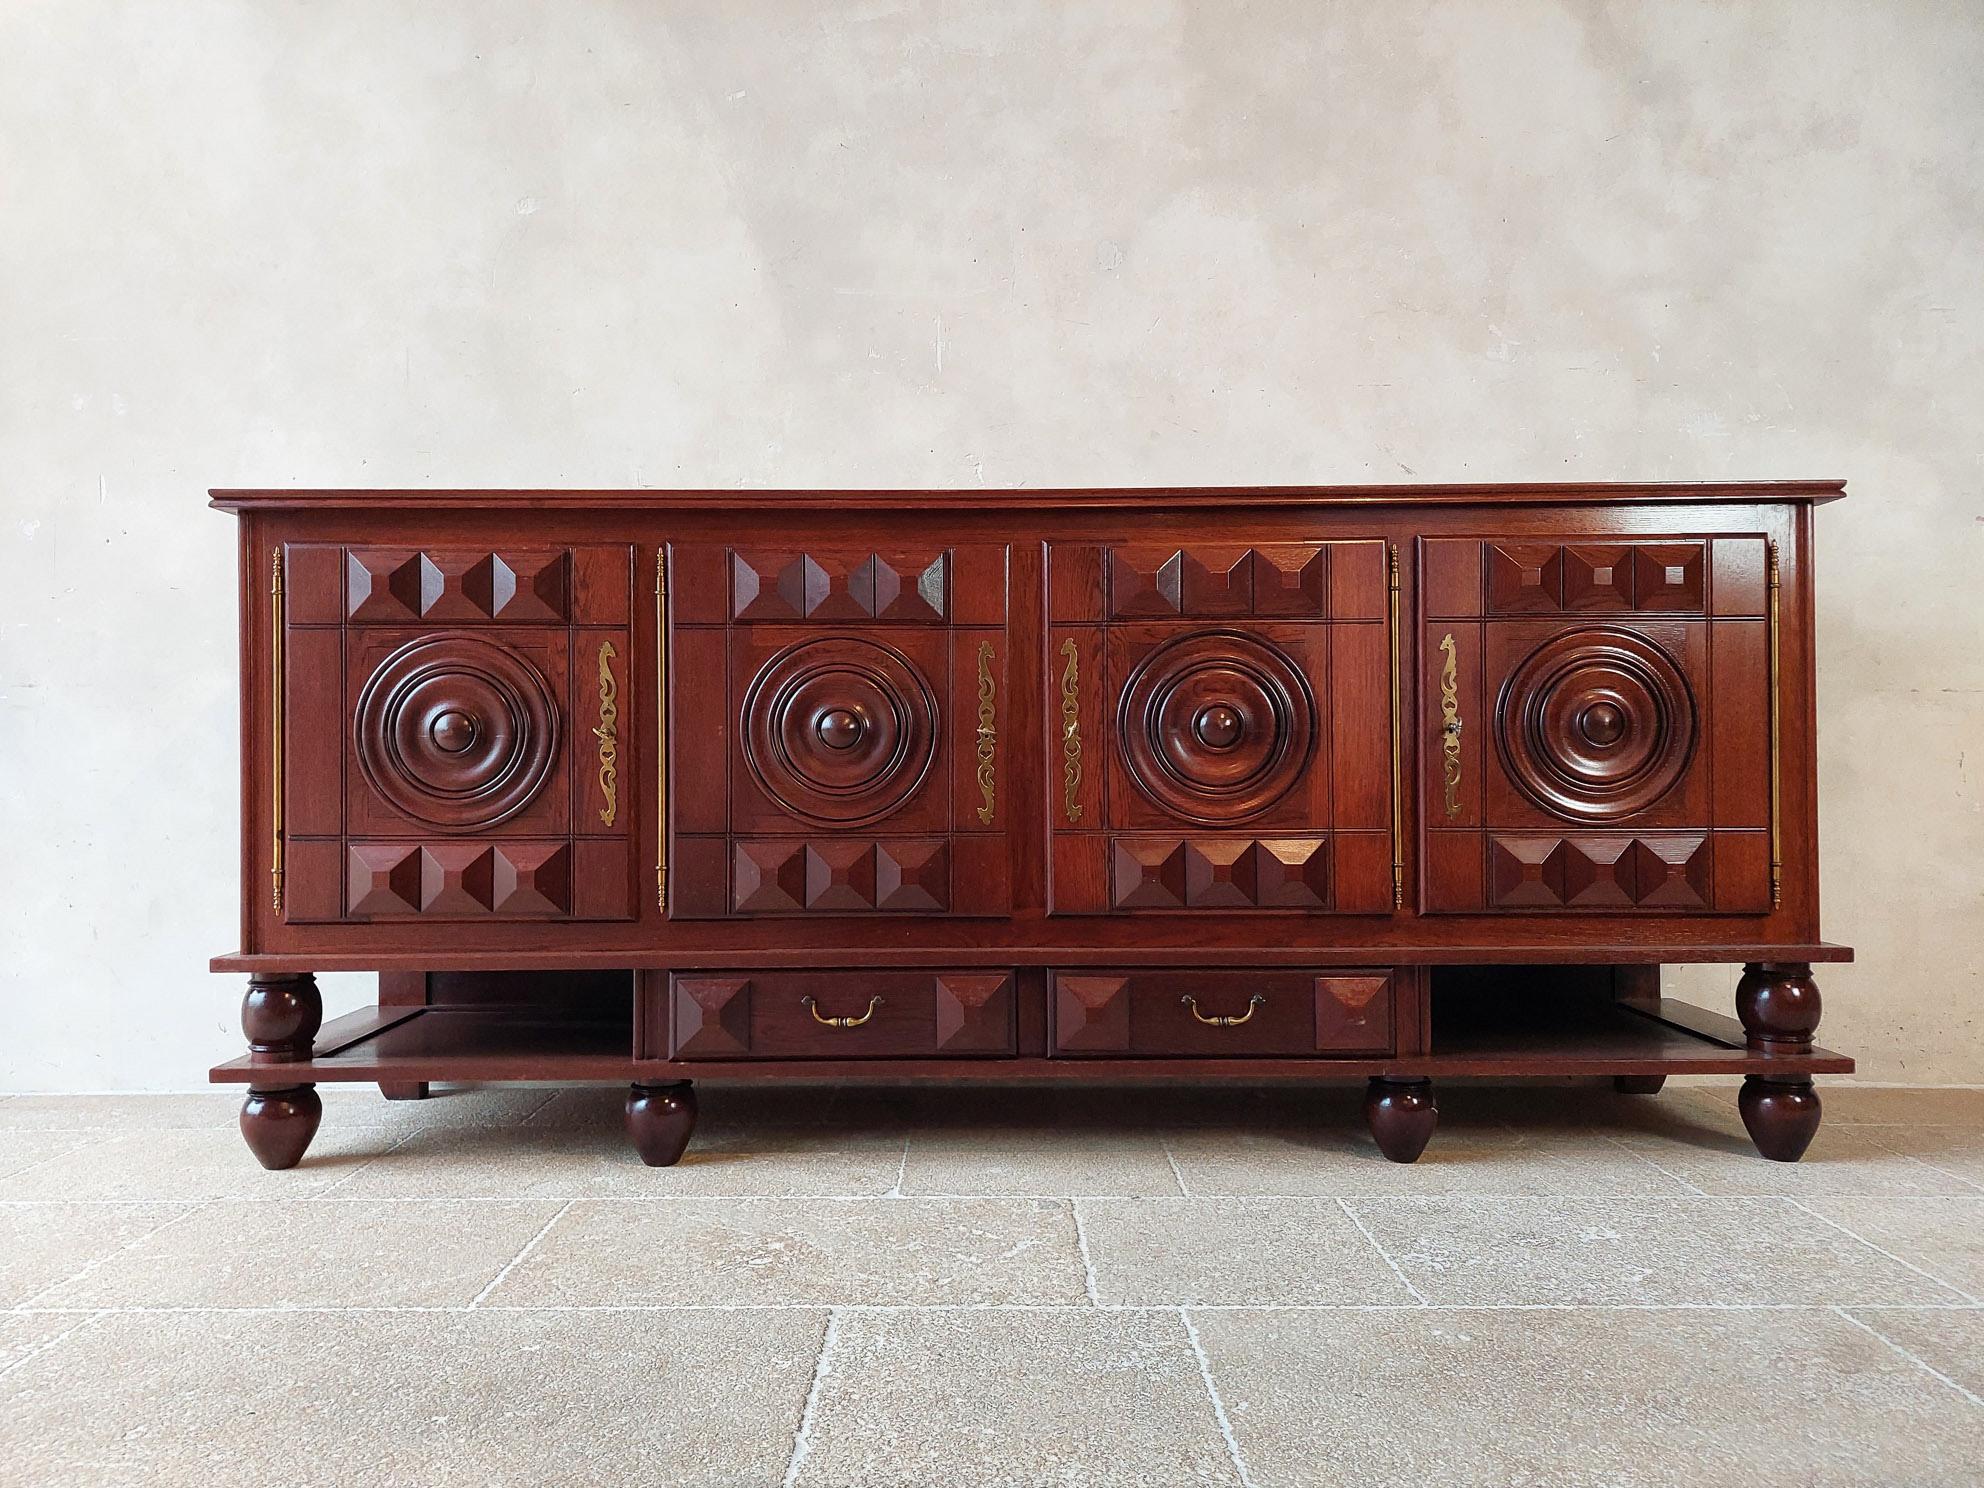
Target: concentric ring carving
<point x="1216" y="726"/>
<point x="1596" y="724"/>
<point x="456" y="731"/>
<point x="839" y="730"/>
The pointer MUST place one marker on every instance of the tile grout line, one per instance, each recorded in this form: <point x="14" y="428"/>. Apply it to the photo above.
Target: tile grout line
<point x="1081" y="1242"/>
<point x="87" y="1320"/>
<point x="192" y="1207"/>
<point x="380" y="1156"/>
<point x="529" y="1245"/>
<point x="1358" y="1220"/>
<point x="1878" y="1250"/>
<point x="1922" y="1162"/>
<point x="1694" y="1190"/>
<point x="456" y="1309"/>
<point x="802" y="1439"/>
<point x="1912" y="1358"/>
<point x="1212" y="1393"/>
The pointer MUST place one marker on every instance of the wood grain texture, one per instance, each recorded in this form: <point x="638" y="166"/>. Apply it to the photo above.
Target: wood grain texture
<point x="1089" y="783"/>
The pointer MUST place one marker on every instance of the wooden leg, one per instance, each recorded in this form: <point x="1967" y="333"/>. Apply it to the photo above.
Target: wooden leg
<point x="659" y="1120"/>
<point x="403" y="989"/>
<point x="1638" y="1084"/>
<point x="1782" y="1116"/>
<point x="1778" y="1003"/>
<point x="1401" y="1115"/>
<point x="277" y="1124"/>
<point x="280" y="1015"/>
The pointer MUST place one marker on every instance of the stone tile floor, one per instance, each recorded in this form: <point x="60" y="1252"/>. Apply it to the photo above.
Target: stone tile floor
<point x="966" y="1287"/>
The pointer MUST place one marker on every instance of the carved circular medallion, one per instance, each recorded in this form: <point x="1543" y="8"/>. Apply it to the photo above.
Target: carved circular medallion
<point x="1216" y="726"/>
<point x="839" y="730"/>
<point x="1596" y="724"/>
<point x="456" y="731"/>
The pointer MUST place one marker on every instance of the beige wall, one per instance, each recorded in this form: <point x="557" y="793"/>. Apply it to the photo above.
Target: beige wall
<point x="1029" y="243"/>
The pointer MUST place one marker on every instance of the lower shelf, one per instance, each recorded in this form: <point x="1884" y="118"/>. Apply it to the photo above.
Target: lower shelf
<point x="497" y="1043"/>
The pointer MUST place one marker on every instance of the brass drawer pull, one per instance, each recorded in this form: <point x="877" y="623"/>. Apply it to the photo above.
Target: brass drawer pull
<point x="813" y="1008"/>
<point x="1222" y="1020"/>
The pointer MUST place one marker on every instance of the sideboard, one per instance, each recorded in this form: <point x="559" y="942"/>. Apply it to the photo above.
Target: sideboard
<point x="1257" y="784"/>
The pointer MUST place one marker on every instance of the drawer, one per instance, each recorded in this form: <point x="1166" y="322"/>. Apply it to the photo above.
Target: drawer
<point x="1232" y="1013"/>
<point x="836" y="1015"/>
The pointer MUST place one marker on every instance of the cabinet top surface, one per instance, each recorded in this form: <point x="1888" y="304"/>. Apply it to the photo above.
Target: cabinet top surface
<point x="1025" y="498"/>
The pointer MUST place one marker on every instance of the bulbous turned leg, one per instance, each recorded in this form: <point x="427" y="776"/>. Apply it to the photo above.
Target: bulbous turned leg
<point x="280" y="1015"/>
<point x="277" y="1124"/>
<point x="1638" y="1084"/>
<point x="1778" y="1004"/>
<point x="659" y="1121"/>
<point x="1401" y="1115"/>
<point x="1782" y="1116"/>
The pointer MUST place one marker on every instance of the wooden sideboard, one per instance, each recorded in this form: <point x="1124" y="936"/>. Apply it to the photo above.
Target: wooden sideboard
<point x="1256" y="784"/>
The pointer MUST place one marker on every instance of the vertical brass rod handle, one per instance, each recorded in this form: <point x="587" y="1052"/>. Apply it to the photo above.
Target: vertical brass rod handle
<point x="661" y="726"/>
<point x="1398" y="732"/>
<point x="1776" y="733"/>
<point x="277" y="605"/>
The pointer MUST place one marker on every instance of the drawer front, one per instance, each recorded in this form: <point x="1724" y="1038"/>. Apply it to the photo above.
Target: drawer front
<point x="1213" y="1014"/>
<point x="840" y="1014"/>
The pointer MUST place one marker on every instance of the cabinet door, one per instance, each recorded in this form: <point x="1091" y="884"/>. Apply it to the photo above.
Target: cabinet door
<point x="1224" y="728"/>
<point x="837" y="736"/>
<point x="1594" y="718"/>
<point x="451" y="719"/>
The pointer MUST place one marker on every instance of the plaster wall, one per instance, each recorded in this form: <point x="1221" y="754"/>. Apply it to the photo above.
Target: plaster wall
<point x="514" y="243"/>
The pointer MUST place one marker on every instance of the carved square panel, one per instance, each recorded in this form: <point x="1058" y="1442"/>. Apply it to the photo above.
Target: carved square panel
<point x="1668" y="576"/>
<point x="396" y="586"/>
<point x="1524" y="577"/>
<point x="1598" y="576"/>
<point x="785" y="586"/>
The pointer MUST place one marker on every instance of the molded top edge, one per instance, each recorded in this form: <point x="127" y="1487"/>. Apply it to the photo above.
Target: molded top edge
<point x="1023" y="498"/>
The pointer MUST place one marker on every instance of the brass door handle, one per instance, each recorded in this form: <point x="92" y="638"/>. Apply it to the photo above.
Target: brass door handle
<point x="1222" y="1020"/>
<point x="813" y="1008"/>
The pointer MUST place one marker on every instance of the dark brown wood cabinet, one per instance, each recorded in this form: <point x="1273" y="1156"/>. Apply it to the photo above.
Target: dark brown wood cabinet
<point x="1252" y="784"/>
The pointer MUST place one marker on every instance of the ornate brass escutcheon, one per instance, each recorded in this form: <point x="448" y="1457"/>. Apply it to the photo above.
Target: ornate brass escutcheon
<point x="845" y="1022"/>
<point x="1222" y="1020"/>
<point x="609" y="746"/>
<point x="1071" y="732"/>
<point x="1450" y="725"/>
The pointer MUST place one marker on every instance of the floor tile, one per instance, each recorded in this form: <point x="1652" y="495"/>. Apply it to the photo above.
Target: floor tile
<point x="202" y="1164"/>
<point x="1951" y="1342"/>
<point x="25" y="1333"/>
<point x="42" y="1244"/>
<point x="586" y="1161"/>
<point x="1955" y="1150"/>
<point x="1712" y="1151"/>
<point x="812" y="1252"/>
<point x="1944" y="1236"/>
<point x="1690" y="1252"/>
<point x="1075" y="1399"/>
<point x="441" y="1399"/>
<point x="1689" y="1399"/>
<point x="1019" y="1160"/>
<point x="22" y="1151"/>
<point x="120" y="1114"/>
<point x="1233" y="1252"/>
<point x="305" y="1254"/>
<point x="1480" y="1160"/>
<point x="448" y="1105"/>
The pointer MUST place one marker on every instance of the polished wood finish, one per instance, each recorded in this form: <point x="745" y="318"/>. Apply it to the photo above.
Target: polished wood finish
<point x="1781" y="1116"/>
<point x="660" y="1119"/>
<point x="1401" y="1115"/>
<point x="1046" y="785"/>
<point x="277" y="1123"/>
